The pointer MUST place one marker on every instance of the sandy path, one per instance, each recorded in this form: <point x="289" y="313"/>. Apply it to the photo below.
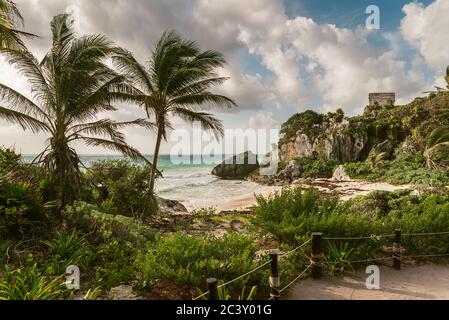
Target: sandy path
<point x="428" y="282"/>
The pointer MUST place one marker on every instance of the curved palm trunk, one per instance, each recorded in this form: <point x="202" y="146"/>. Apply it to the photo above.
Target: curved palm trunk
<point x="155" y="158"/>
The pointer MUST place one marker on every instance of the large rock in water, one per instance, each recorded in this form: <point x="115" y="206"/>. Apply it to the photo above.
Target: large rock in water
<point x="237" y="167"/>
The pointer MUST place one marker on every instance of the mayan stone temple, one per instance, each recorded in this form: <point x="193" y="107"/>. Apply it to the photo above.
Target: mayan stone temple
<point x="381" y="98"/>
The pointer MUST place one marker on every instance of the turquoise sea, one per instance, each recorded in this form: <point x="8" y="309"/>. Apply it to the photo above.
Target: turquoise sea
<point x="189" y="180"/>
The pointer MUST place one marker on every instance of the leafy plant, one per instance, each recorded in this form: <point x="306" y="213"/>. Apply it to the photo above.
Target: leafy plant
<point x="189" y="260"/>
<point x="224" y="293"/>
<point x="69" y="249"/>
<point x="10" y="21"/>
<point x="121" y="187"/>
<point x="204" y="213"/>
<point x="337" y="257"/>
<point x="30" y="284"/>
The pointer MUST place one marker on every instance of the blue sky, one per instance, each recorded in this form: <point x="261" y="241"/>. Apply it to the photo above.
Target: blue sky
<point x="284" y="56"/>
<point x="349" y="13"/>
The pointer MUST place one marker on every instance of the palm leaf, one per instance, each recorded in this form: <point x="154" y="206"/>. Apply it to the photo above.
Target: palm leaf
<point x="25" y="121"/>
<point x="207" y="121"/>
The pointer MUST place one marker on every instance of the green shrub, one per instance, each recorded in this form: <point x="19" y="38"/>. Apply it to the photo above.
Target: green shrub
<point x="67" y="249"/>
<point x="30" y="284"/>
<point x="117" y="239"/>
<point x="291" y="215"/>
<point x="316" y="168"/>
<point x="121" y="187"/>
<point x="189" y="260"/>
<point x="405" y="169"/>
<point x="21" y="210"/>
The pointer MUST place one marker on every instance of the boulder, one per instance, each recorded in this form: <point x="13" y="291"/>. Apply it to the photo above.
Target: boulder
<point x="340" y="174"/>
<point x="237" y="167"/>
<point x="291" y="172"/>
<point x="170" y="206"/>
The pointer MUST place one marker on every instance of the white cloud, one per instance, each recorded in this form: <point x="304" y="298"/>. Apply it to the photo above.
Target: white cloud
<point x="264" y="120"/>
<point x="426" y="28"/>
<point x="307" y="61"/>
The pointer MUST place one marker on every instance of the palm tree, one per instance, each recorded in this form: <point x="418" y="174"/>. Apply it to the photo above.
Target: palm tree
<point x="437" y="150"/>
<point x="70" y="87"/>
<point x="176" y="82"/>
<point x="439" y="89"/>
<point x="10" y="20"/>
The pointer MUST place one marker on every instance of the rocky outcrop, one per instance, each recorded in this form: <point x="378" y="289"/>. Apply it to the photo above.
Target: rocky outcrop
<point x="167" y="206"/>
<point x="337" y="142"/>
<point x="237" y="167"/>
<point x="290" y="173"/>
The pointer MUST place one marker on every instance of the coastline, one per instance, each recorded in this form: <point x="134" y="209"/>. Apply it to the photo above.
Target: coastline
<point x="345" y="190"/>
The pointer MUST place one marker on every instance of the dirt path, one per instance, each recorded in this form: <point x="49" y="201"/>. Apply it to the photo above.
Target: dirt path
<point x="428" y="282"/>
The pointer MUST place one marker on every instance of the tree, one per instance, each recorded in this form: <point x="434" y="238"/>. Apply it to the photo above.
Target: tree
<point x="437" y="150"/>
<point x="439" y="89"/>
<point x="176" y="82"/>
<point x="70" y="87"/>
<point x="10" y="21"/>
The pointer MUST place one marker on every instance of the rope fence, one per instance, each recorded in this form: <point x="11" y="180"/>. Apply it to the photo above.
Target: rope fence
<point x="316" y="259"/>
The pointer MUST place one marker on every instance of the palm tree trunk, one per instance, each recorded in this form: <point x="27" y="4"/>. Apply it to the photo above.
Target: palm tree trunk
<point x="155" y="157"/>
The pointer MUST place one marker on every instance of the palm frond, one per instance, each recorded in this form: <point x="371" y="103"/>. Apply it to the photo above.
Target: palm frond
<point x="437" y="136"/>
<point x="25" y="121"/>
<point x="20" y="103"/>
<point x="115" y="146"/>
<point x="28" y="66"/>
<point x="203" y="99"/>
<point x="134" y="71"/>
<point x="206" y="120"/>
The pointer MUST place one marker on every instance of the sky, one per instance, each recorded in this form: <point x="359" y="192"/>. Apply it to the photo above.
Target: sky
<point x="282" y="57"/>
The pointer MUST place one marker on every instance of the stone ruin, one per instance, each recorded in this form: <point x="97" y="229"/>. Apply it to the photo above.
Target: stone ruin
<point x="381" y="98"/>
<point x="376" y="100"/>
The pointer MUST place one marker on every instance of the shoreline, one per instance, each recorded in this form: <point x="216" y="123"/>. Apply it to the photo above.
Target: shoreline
<point x="345" y="190"/>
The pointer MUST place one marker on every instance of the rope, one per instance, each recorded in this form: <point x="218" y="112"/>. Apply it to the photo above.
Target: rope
<point x="371" y="237"/>
<point x="234" y="280"/>
<point x="245" y="275"/>
<point x="424" y="234"/>
<point x="296" y="249"/>
<point x="426" y="255"/>
<point x="370" y="260"/>
<point x="296" y="279"/>
<point x="201" y="296"/>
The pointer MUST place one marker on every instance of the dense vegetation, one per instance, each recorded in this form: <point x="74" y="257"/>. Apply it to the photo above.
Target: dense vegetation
<point x="292" y="214"/>
<point x="54" y="213"/>
<point x="401" y="144"/>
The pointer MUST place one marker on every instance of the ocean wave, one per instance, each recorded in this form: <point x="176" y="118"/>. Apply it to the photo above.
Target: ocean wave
<point x="186" y="184"/>
<point x="188" y="175"/>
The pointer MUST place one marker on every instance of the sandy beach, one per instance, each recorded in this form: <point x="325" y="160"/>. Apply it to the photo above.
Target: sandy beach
<point x="344" y="189"/>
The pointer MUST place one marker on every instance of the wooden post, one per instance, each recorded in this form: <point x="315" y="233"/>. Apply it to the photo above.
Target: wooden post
<point x="274" y="276"/>
<point x="212" y="284"/>
<point x="317" y="255"/>
<point x="397" y="250"/>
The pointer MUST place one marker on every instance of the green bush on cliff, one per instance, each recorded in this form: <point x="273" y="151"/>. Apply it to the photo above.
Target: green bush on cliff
<point x="407" y="168"/>
<point x="316" y="168"/>
<point x="308" y="122"/>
